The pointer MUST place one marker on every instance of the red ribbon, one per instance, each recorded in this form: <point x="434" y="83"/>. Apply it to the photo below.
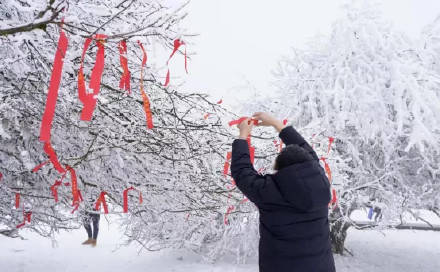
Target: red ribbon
<point x="17" y="200"/>
<point x="220" y="101"/>
<point x="54" y="190"/>
<point x="1" y="176"/>
<point x="89" y="99"/>
<point x="27" y="217"/>
<point x="38" y="167"/>
<point x="327" y="169"/>
<point x="124" y="83"/>
<point x="53" y="157"/>
<point x="228" y="211"/>
<point x="55" y="79"/>
<point x="76" y="194"/>
<point x="238" y="121"/>
<point x="125" y="207"/>
<point x="334" y="198"/>
<point x="244" y="200"/>
<point x="330" y="142"/>
<point x="177" y="44"/>
<point x="101" y="200"/>
<point x="147" y="109"/>
<point x="227" y="163"/>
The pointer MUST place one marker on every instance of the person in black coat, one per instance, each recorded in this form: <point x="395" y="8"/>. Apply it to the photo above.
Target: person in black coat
<point x="293" y="202"/>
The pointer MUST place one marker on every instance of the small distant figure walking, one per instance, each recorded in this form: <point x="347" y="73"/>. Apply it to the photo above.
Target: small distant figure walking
<point x="91" y="224"/>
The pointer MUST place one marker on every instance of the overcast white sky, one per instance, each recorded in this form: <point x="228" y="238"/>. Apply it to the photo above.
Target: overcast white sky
<point x="241" y="40"/>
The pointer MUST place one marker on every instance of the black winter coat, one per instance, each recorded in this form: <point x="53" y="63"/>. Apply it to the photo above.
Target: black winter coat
<point x="293" y="205"/>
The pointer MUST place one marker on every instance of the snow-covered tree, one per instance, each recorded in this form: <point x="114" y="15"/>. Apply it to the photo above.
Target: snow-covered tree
<point x="177" y="165"/>
<point x="368" y="87"/>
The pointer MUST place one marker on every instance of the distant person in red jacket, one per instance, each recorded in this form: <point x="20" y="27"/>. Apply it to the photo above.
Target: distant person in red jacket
<point x="293" y="202"/>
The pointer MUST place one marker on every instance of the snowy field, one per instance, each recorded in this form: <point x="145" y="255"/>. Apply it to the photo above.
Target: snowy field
<point x="388" y="251"/>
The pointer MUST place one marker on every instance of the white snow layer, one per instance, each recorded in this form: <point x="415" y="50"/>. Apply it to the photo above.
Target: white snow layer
<point x="374" y="251"/>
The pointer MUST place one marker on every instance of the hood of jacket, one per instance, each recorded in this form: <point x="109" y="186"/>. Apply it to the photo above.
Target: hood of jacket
<point x="304" y="185"/>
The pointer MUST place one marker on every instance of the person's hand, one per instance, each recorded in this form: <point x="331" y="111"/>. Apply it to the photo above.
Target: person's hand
<point x="268" y="120"/>
<point x="245" y="128"/>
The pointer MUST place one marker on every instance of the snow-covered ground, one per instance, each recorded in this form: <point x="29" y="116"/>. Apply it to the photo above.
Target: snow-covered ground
<point x="387" y="251"/>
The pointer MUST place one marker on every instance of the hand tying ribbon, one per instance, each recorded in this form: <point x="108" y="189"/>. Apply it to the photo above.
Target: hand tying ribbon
<point x="238" y="121"/>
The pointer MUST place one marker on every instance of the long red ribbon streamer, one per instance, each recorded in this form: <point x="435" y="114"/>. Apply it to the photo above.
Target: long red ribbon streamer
<point x="101" y="200"/>
<point x="125" y="195"/>
<point x="147" y="108"/>
<point x="89" y="99"/>
<point x="177" y="44"/>
<point x="51" y="100"/>
<point x="124" y="83"/>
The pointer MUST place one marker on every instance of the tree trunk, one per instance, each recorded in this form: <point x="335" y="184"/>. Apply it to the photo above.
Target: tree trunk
<point x="338" y="231"/>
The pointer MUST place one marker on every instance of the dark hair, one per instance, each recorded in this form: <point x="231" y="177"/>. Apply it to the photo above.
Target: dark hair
<point x="291" y="154"/>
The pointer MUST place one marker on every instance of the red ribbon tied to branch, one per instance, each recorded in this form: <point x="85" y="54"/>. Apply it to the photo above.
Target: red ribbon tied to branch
<point x="227" y="164"/>
<point x="330" y="142"/>
<point x="101" y="200"/>
<point x="125" y="194"/>
<point x="147" y="108"/>
<point x="228" y="211"/>
<point x="177" y="44"/>
<point x="54" y="190"/>
<point x="53" y="157"/>
<point x="17" y="200"/>
<point x="334" y="198"/>
<point x="238" y="121"/>
<point x="55" y="79"/>
<point x="27" y="218"/>
<point x="124" y="83"/>
<point x="89" y="99"/>
<point x="327" y="169"/>
<point x="76" y="194"/>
